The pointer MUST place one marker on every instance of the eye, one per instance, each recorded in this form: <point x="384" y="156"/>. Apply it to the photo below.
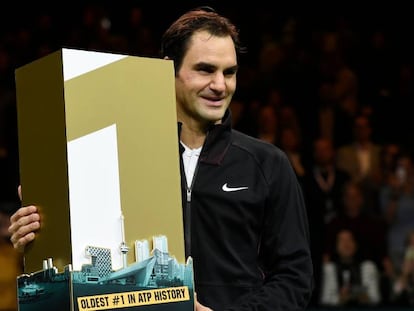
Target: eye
<point x="230" y="71"/>
<point x="205" y="68"/>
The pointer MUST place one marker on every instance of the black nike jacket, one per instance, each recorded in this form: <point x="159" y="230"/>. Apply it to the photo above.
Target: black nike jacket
<point x="245" y="225"/>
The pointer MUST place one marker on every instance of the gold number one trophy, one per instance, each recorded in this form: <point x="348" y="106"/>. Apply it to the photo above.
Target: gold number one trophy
<point x="98" y="151"/>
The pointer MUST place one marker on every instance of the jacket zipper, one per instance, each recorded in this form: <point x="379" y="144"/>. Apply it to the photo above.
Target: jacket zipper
<point x="187" y="213"/>
<point x="189" y="190"/>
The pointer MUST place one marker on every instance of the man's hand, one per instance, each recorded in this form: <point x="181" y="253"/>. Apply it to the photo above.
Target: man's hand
<point x="199" y="306"/>
<point x="23" y="224"/>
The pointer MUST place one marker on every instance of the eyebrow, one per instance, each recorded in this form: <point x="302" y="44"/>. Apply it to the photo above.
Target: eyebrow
<point x="203" y="65"/>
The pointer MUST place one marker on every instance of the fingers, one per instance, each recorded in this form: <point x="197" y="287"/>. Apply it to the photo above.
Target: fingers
<point x="23" y="225"/>
<point x="20" y="243"/>
<point x="22" y="212"/>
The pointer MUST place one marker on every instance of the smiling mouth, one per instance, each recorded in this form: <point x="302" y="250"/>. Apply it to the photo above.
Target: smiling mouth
<point x="214" y="102"/>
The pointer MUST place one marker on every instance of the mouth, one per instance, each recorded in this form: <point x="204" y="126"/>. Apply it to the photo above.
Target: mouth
<point x="214" y="102"/>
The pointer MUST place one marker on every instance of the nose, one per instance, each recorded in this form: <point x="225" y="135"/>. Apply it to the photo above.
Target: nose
<point x="218" y="82"/>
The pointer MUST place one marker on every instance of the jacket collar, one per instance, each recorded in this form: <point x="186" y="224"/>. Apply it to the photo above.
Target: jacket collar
<point x="217" y="141"/>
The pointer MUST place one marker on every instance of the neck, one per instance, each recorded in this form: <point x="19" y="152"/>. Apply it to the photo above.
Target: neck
<point x="193" y="132"/>
<point x="192" y="137"/>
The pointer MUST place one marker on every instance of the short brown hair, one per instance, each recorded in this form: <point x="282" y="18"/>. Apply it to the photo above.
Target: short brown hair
<point x="174" y="43"/>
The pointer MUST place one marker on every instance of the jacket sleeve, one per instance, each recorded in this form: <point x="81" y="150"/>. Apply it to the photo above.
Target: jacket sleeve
<point x="284" y="252"/>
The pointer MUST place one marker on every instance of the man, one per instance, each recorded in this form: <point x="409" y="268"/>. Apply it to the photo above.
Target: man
<point x="244" y="218"/>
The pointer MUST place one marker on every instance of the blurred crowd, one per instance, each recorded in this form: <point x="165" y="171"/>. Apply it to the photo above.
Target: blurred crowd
<point x="332" y="90"/>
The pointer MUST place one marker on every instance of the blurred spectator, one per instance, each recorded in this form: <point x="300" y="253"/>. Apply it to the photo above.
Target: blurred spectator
<point x="362" y="159"/>
<point x="389" y="155"/>
<point x="140" y="38"/>
<point x="288" y="118"/>
<point x="369" y="229"/>
<point x="267" y="124"/>
<point x="290" y="143"/>
<point x="404" y="284"/>
<point x="348" y="280"/>
<point x="324" y="181"/>
<point x="338" y="89"/>
<point x="397" y="202"/>
<point x="323" y="184"/>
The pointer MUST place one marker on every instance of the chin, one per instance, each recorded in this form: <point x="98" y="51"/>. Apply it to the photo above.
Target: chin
<point x="214" y="115"/>
<point x="215" y="118"/>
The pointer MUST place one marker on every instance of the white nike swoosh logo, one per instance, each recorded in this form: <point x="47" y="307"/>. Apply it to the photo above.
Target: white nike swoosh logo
<point x="230" y="189"/>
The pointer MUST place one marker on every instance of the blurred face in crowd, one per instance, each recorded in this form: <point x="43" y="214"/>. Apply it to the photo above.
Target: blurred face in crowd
<point x="206" y="80"/>
<point x="267" y="119"/>
<point x="324" y="152"/>
<point x="353" y="200"/>
<point x="362" y="129"/>
<point x="404" y="173"/>
<point x="346" y="245"/>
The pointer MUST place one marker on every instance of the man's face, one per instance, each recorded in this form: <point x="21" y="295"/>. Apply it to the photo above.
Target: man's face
<point x="206" y="81"/>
